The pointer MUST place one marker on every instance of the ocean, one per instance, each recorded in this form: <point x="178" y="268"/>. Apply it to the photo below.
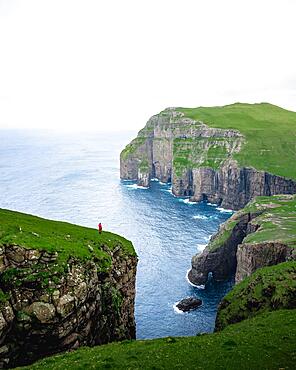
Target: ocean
<point x="74" y="177"/>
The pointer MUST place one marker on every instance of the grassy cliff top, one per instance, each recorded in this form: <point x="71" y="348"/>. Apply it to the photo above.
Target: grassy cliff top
<point x="277" y="221"/>
<point x="55" y="236"/>
<point x="266" y="341"/>
<point x="270" y="133"/>
<point x="267" y="289"/>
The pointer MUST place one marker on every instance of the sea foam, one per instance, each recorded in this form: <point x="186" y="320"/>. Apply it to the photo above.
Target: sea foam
<point x="201" y="247"/>
<point x="223" y="210"/>
<point x="200" y="217"/>
<point x="176" y="309"/>
<point x="186" y="201"/>
<point x="194" y="285"/>
<point x="135" y="186"/>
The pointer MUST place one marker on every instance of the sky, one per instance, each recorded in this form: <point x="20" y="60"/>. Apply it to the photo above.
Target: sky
<point x="110" y="65"/>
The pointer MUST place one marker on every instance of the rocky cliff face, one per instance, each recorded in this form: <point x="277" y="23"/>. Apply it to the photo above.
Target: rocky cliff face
<point x="250" y="257"/>
<point x="261" y="234"/>
<point x="47" y="307"/>
<point x="233" y="187"/>
<point x="199" y="161"/>
<point x="221" y="261"/>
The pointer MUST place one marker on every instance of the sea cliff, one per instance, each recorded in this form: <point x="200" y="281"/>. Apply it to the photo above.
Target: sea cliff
<point x="61" y="286"/>
<point x="261" y="234"/>
<point x="224" y="155"/>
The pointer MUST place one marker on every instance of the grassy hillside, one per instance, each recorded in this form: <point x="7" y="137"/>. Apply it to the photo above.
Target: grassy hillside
<point x="54" y="236"/>
<point x="267" y="289"/>
<point x="277" y="221"/>
<point x="200" y="152"/>
<point x="270" y="134"/>
<point x="264" y="342"/>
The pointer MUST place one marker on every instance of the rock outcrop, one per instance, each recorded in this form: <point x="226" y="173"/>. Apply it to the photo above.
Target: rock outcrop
<point x="188" y="304"/>
<point x="48" y="305"/>
<point x="250" y="257"/>
<point x="261" y="234"/>
<point x="233" y="187"/>
<point x="199" y="161"/>
<point x="220" y="261"/>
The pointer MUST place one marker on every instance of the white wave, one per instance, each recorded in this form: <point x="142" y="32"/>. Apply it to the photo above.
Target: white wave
<point x="135" y="186"/>
<point x="207" y="238"/>
<point x="201" y="247"/>
<point x="200" y="217"/>
<point x="176" y="309"/>
<point x="195" y="286"/>
<point x="160" y="182"/>
<point x="168" y="191"/>
<point x="223" y="210"/>
<point x="186" y="201"/>
<point x="212" y="204"/>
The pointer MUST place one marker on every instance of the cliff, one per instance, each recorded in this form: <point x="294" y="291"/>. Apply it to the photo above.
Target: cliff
<point x="268" y="289"/>
<point x="225" y="155"/>
<point x="61" y="286"/>
<point x="261" y="234"/>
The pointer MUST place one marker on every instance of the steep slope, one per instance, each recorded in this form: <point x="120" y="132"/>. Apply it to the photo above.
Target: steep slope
<point x="261" y="234"/>
<point x="225" y="155"/>
<point x="61" y="286"/>
<point x="267" y="289"/>
<point x="263" y="342"/>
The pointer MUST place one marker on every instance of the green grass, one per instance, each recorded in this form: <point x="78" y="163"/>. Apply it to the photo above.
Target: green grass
<point x="3" y="297"/>
<point x="267" y="289"/>
<point x="144" y="165"/>
<point x="215" y="157"/>
<point x="223" y="234"/>
<point x="277" y="221"/>
<point x="39" y="277"/>
<point x="263" y="342"/>
<point x="54" y="236"/>
<point x="132" y="147"/>
<point x="192" y="153"/>
<point x="270" y="133"/>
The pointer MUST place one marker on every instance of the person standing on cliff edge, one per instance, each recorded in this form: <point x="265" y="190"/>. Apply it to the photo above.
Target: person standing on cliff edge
<point x="100" y="228"/>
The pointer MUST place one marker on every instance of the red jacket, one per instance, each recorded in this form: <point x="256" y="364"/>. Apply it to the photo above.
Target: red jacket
<point x="100" y="227"/>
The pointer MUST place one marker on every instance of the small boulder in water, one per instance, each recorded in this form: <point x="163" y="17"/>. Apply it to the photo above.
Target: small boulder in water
<point x="188" y="304"/>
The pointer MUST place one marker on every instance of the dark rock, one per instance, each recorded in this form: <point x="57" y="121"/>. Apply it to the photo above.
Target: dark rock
<point x="47" y="312"/>
<point x="233" y="256"/>
<point x="221" y="262"/>
<point x="188" y="304"/>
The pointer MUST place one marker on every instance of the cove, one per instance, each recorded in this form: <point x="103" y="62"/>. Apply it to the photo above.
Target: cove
<point x="168" y="232"/>
<point x="75" y="178"/>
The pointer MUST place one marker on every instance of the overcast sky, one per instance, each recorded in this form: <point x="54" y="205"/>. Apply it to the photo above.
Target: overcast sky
<point x="112" y="64"/>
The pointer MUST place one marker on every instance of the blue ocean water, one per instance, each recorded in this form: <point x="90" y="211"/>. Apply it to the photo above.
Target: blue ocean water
<point x="75" y="178"/>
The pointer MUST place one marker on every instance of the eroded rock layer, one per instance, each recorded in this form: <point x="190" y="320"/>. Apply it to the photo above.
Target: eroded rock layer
<point x="261" y="234"/>
<point x="47" y="307"/>
<point x="198" y="160"/>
